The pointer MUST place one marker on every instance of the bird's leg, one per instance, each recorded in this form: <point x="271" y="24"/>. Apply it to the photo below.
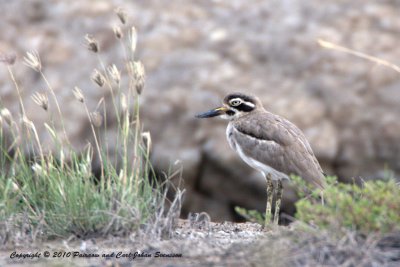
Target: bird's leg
<point x="268" y="209"/>
<point x="278" y="202"/>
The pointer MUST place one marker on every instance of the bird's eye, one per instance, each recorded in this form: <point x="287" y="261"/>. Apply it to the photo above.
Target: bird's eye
<point x="235" y="102"/>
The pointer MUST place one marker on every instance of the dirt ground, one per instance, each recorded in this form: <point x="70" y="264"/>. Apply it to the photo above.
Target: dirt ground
<point x="203" y="243"/>
<point x="192" y="243"/>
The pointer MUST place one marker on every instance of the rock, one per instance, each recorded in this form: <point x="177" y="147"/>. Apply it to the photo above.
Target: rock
<point x="324" y="139"/>
<point x="199" y="202"/>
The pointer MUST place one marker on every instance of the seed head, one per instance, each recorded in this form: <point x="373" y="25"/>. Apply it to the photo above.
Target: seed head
<point x="114" y="73"/>
<point x="118" y="32"/>
<point x="41" y="100"/>
<point x="96" y="119"/>
<point x="8" y="59"/>
<point x="98" y="78"/>
<point x="139" y="75"/>
<point x="140" y="85"/>
<point x="78" y="94"/>
<point x="6" y="115"/>
<point x="147" y="138"/>
<point x="121" y="14"/>
<point x="32" y="60"/>
<point x="92" y="44"/>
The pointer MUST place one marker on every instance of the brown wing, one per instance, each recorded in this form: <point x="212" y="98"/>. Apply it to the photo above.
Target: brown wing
<point x="279" y="144"/>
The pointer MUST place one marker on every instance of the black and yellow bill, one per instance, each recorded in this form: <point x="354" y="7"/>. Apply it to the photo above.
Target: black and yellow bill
<point x="212" y="113"/>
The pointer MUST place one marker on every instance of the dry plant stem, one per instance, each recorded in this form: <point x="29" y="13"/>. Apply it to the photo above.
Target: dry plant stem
<point x="136" y="144"/>
<point x="125" y="140"/>
<point x="130" y="88"/>
<point x="18" y="90"/>
<point x="278" y="202"/>
<point x="126" y="120"/>
<point x="96" y="141"/>
<point x="57" y="104"/>
<point x="105" y="131"/>
<point x="15" y="132"/>
<point x="109" y="86"/>
<point x="132" y="81"/>
<point x="329" y="45"/>
<point x="147" y="165"/>
<point x="39" y="144"/>
<point x="23" y="108"/>
<point x="270" y="191"/>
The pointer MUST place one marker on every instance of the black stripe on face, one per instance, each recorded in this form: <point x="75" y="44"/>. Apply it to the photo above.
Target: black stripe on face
<point x="244" y="107"/>
<point x="230" y="112"/>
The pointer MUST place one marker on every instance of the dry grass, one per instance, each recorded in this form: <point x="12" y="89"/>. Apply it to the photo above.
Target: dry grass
<point x="376" y="60"/>
<point x="47" y="195"/>
<point x="300" y="247"/>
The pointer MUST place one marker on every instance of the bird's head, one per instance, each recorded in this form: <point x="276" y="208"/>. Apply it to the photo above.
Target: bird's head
<point x="234" y="106"/>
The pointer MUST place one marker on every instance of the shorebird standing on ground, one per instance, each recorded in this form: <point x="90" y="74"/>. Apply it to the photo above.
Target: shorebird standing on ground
<point x="268" y="143"/>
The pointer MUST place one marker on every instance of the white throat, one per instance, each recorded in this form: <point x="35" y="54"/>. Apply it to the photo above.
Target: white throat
<point x="234" y="116"/>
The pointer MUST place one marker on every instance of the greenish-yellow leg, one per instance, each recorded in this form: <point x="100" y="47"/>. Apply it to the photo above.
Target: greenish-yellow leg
<point x="278" y="202"/>
<point x="268" y="209"/>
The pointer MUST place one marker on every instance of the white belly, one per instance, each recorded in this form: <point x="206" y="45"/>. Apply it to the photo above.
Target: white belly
<point x="255" y="164"/>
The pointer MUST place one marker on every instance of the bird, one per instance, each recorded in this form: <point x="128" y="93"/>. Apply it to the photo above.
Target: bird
<point x="268" y="143"/>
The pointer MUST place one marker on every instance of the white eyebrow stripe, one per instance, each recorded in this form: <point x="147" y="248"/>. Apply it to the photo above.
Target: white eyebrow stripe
<point x="249" y="104"/>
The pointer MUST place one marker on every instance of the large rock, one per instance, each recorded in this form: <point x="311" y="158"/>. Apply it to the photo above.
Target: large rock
<point x="197" y="52"/>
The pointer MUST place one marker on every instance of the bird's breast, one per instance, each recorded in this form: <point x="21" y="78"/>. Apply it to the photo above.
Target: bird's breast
<point x="252" y="162"/>
<point x="229" y="136"/>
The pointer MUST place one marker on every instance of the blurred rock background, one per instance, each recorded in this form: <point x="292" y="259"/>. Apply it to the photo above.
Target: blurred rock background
<point x="197" y="51"/>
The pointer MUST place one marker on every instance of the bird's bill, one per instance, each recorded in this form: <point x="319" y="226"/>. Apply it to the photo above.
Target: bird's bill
<point x="212" y="113"/>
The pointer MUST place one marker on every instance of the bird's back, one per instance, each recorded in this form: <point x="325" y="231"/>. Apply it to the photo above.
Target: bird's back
<point x="277" y="143"/>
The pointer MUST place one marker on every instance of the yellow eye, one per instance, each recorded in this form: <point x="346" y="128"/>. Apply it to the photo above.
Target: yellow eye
<point x="235" y="102"/>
